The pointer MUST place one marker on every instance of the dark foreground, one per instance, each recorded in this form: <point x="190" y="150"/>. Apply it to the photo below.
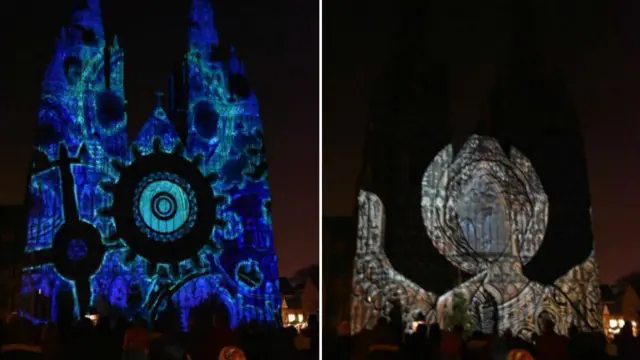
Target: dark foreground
<point x="387" y="342"/>
<point x="209" y="337"/>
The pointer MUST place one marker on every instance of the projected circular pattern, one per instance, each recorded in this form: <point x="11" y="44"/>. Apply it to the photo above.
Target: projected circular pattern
<point x="77" y="250"/>
<point x="165" y="206"/>
<point x="480" y="205"/>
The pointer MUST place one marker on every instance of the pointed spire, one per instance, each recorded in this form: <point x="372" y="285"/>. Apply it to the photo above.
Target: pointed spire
<point x="235" y="64"/>
<point x="88" y="16"/>
<point x="202" y="30"/>
<point x="158" y="112"/>
<point x="159" y="95"/>
<point x="179" y="99"/>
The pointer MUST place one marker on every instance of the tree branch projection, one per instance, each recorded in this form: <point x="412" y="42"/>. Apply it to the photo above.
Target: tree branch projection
<point x="486" y="213"/>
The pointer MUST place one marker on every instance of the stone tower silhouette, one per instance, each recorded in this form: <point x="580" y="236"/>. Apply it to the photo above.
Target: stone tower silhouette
<point x="506" y="216"/>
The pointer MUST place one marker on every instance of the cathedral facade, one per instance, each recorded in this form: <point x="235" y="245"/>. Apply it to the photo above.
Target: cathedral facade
<point x="497" y="226"/>
<point x="174" y="217"/>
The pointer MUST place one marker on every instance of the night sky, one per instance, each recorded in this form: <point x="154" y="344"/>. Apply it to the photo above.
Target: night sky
<point x="596" y="45"/>
<point x="278" y="41"/>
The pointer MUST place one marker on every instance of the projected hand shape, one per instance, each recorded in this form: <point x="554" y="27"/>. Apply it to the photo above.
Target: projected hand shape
<point x="486" y="213"/>
<point x="377" y="286"/>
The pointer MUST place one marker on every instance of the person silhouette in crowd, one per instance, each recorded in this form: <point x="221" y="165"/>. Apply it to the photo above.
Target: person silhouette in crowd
<point x="136" y="341"/>
<point x="626" y="343"/>
<point x="549" y="345"/>
<point x="385" y="345"/>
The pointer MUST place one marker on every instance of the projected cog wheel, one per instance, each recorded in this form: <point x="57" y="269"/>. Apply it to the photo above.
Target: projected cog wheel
<point x="164" y="207"/>
<point x="77" y="249"/>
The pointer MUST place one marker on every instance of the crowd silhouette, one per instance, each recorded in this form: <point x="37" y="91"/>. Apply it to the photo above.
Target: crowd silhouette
<point x="387" y="341"/>
<point x="208" y="336"/>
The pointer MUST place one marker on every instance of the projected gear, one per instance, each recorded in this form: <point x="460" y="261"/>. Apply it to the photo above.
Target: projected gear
<point x="77" y="250"/>
<point x="128" y="232"/>
<point x="164" y="207"/>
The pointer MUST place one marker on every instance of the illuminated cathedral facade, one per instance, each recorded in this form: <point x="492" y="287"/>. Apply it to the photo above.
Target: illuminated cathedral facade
<point x="170" y="217"/>
<point x="497" y="226"/>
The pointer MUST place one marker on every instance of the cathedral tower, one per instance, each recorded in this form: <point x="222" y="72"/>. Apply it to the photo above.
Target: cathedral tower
<point x="508" y="211"/>
<point x="408" y="126"/>
<point x="534" y="109"/>
<point x="170" y="220"/>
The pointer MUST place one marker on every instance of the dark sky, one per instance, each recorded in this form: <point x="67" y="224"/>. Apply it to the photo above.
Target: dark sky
<point x="278" y="41"/>
<point x="595" y="44"/>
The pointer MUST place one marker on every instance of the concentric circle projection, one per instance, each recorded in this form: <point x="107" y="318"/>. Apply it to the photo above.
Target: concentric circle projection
<point x="164" y="206"/>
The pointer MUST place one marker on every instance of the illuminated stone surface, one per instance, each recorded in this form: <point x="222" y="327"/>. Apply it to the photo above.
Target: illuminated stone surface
<point x="502" y="218"/>
<point x="164" y="217"/>
<point x="487" y="214"/>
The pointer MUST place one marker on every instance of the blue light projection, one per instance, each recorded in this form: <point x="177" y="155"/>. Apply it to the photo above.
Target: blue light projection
<point x="76" y="250"/>
<point x="167" y="206"/>
<point x="186" y="219"/>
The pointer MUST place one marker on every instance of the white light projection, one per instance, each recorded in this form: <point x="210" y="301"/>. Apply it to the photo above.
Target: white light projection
<point x="486" y="213"/>
<point x="376" y="285"/>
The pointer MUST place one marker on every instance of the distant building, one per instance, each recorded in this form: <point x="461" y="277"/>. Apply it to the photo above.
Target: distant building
<point x="619" y="308"/>
<point x="299" y="302"/>
<point x="291" y="304"/>
<point x="501" y="217"/>
<point x="286" y="289"/>
<point x="310" y="297"/>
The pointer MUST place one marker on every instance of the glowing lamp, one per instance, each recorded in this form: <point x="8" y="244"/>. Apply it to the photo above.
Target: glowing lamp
<point x="291" y="318"/>
<point x="300" y="318"/>
<point x="415" y="324"/>
<point x="613" y="323"/>
<point x="620" y="323"/>
<point x="93" y="317"/>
